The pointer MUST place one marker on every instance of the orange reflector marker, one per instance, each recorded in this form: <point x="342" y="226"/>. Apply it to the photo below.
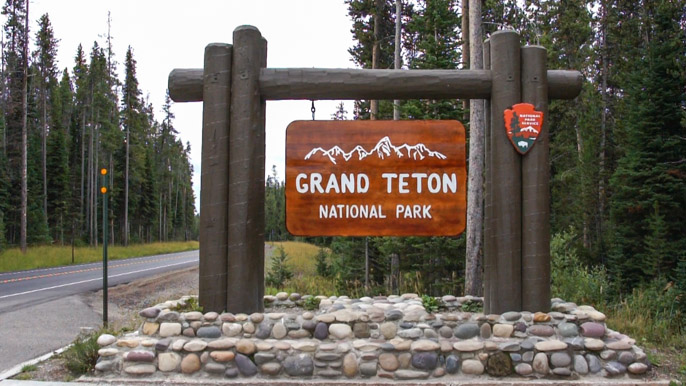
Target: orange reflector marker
<point x="103" y="190"/>
<point x="103" y="171"/>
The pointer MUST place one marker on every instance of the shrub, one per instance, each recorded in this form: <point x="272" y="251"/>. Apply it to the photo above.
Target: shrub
<point x="279" y="271"/>
<point x="571" y="279"/>
<point x="430" y="303"/>
<point x="323" y="267"/>
<point x="81" y="357"/>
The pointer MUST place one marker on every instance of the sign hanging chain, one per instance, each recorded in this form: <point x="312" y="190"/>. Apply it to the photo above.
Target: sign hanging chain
<point x="313" y="109"/>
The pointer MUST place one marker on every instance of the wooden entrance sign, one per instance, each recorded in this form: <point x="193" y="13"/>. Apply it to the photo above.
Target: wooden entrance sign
<point x="375" y="178"/>
<point x="234" y="86"/>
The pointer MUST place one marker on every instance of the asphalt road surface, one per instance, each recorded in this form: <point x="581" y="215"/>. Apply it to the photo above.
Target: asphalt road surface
<point x="42" y="310"/>
<point x="26" y="288"/>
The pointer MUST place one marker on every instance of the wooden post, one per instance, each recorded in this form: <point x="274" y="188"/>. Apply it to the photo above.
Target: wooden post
<point x="506" y="171"/>
<point x="214" y="178"/>
<point x="535" y="189"/>
<point x="488" y="263"/>
<point x="245" y="281"/>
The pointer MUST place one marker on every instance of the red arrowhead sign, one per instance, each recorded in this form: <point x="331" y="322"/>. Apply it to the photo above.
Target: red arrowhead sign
<point x="523" y="125"/>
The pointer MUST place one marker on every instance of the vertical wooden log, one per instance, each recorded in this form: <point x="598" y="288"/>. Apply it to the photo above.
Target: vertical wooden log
<point x="214" y="179"/>
<point x="395" y="273"/>
<point x="488" y="209"/>
<point x="506" y="171"/>
<point x="245" y="282"/>
<point x="535" y="189"/>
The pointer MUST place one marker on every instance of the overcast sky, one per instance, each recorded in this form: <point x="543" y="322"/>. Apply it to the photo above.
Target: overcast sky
<point x="173" y="34"/>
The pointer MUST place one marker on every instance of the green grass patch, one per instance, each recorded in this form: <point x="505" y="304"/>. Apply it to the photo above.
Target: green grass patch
<point x="54" y="256"/>
<point x="301" y="256"/>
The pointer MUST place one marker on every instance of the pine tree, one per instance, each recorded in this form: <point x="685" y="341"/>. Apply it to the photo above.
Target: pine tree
<point x="47" y="71"/>
<point x="651" y="167"/>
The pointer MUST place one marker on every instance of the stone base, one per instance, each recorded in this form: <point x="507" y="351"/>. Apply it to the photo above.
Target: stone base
<point x="380" y="340"/>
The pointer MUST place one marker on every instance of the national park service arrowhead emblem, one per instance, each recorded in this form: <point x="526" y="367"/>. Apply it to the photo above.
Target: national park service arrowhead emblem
<point x="523" y="125"/>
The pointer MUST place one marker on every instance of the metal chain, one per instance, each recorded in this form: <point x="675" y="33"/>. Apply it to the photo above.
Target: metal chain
<point x="313" y="110"/>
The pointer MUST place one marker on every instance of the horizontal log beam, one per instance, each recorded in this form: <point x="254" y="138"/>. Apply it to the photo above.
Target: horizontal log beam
<point x="314" y="83"/>
<point x="185" y="85"/>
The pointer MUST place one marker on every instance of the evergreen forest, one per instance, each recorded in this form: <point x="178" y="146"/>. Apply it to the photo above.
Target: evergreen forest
<point x="60" y="126"/>
<point x="618" y="151"/>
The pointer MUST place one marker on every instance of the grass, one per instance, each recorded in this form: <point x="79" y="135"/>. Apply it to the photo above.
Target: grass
<point x="302" y="260"/>
<point x="301" y="256"/>
<point x="54" y="256"/>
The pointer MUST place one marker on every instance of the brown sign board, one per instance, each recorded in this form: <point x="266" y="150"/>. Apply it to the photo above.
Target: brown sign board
<point x="375" y="178"/>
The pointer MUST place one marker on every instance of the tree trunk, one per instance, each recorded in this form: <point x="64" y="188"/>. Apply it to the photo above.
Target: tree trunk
<point x="603" y="125"/>
<point x="378" y="6"/>
<point x="44" y="150"/>
<point x="24" y="141"/>
<point x="126" y="190"/>
<point x="475" y="190"/>
<point x="396" y="59"/>
<point x="465" y="46"/>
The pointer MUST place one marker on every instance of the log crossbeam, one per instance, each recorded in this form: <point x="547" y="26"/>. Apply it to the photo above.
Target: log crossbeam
<point x="185" y="85"/>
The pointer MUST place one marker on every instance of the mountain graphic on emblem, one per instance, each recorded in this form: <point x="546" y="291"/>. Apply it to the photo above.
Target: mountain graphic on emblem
<point x="384" y="149"/>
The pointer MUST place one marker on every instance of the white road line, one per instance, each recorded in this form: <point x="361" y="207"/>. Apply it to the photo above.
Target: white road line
<point x="97" y="278"/>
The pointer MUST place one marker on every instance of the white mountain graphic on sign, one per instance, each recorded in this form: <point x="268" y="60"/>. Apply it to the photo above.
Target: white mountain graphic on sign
<point x="530" y="129"/>
<point x="383" y="149"/>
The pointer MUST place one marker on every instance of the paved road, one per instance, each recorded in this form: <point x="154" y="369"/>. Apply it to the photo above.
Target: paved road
<point x="26" y="288"/>
<point x="42" y="310"/>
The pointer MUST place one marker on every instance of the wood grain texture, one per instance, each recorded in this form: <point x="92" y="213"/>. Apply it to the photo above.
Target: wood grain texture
<point x="214" y="178"/>
<point x="381" y="144"/>
<point x="506" y="176"/>
<point x="536" y="189"/>
<point x="245" y="283"/>
<point x="185" y="85"/>
<point x="489" y="262"/>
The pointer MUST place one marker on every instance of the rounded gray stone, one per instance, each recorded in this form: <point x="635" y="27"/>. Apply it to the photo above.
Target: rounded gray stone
<point x="299" y="365"/>
<point x="321" y="331"/>
<point x="411" y="333"/>
<point x="209" y="332"/>
<point x="231" y="373"/>
<point x="368" y="369"/>
<point x="626" y="357"/>
<point x="425" y="360"/>
<point x="580" y="365"/>
<point x="594" y="364"/>
<point x="452" y="364"/>
<point x="245" y="365"/>
<point x="264" y="330"/>
<point x="309" y="325"/>
<point x="394" y="315"/>
<point x="524" y="369"/>
<point x="272" y="368"/>
<point x="511" y="316"/>
<point x="562" y="371"/>
<point x="263" y="357"/>
<point x="445" y="332"/>
<point x="215" y="368"/>
<point x="615" y="368"/>
<point x="150" y="312"/>
<point x="560" y="359"/>
<point x="467" y="330"/>
<point x="568" y="330"/>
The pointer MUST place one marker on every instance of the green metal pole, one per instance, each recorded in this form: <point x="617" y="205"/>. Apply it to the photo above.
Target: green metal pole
<point x="104" y="191"/>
